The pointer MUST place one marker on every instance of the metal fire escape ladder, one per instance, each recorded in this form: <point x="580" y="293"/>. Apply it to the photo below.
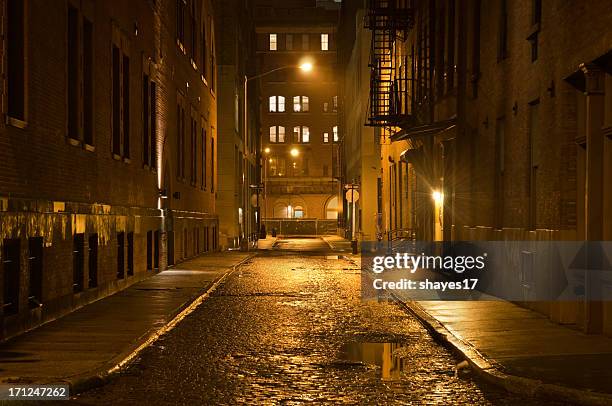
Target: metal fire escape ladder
<point x="387" y="19"/>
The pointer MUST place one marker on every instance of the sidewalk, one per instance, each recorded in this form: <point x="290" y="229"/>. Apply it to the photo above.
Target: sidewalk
<point x="266" y="243"/>
<point x="519" y="349"/>
<point x="82" y="347"/>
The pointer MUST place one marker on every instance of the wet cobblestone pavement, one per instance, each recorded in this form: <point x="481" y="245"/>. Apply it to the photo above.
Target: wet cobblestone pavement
<point x="289" y="328"/>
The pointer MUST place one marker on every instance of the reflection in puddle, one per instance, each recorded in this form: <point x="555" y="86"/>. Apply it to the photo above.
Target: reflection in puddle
<point x="388" y="357"/>
<point x="332" y="257"/>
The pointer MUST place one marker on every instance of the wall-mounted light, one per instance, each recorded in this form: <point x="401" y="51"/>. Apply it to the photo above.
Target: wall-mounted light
<point x="267" y="150"/>
<point x="437" y="196"/>
<point x="295" y="152"/>
<point x="163" y="193"/>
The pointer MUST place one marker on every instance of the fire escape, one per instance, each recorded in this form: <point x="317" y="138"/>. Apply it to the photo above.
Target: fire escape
<point x="391" y="78"/>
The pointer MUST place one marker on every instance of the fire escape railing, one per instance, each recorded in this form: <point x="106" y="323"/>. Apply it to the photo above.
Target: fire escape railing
<point x="391" y="77"/>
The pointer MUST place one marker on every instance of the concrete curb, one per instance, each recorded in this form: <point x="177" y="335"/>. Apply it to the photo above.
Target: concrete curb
<point x="103" y="375"/>
<point x="490" y="371"/>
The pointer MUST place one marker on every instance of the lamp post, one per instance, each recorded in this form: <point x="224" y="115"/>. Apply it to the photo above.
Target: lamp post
<point x="305" y="66"/>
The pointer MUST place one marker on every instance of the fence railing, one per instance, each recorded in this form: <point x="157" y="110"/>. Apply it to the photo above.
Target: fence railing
<point x="300" y="226"/>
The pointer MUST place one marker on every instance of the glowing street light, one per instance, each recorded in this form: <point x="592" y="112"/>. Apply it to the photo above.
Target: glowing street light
<point x="306" y="66"/>
<point x="295" y="152"/>
<point x="267" y="150"/>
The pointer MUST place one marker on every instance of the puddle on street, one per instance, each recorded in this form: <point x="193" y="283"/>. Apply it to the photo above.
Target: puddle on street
<point x="389" y="358"/>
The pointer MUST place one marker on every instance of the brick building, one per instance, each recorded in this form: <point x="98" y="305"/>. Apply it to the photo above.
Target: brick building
<point x="494" y="122"/>
<point x="238" y="143"/>
<point x="107" y="145"/>
<point x="299" y="109"/>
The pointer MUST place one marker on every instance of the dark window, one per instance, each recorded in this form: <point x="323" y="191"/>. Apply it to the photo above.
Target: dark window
<point x="502" y="36"/>
<point x="149" y="250"/>
<point x="156" y="249"/>
<point x="180" y="20"/>
<point x="93" y="260"/>
<point x="120" y="255"/>
<point x="203" y="52"/>
<point x="126" y="106"/>
<point x="214" y="235"/>
<point x="116" y="101"/>
<point x="205" y="239"/>
<point x="180" y="150"/>
<point x="212" y="165"/>
<point x="16" y="59"/>
<point x="203" y="143"/>
<point x="153" y="108"/>
<point x="88" y="82"/>
<point x="35" y="267"/>
<point x="78" y="258"/>
<point x="450" y="46"/>
<point x="11" y="264"/>
<point x="73" y="73"/>
<point x="476" y="49"/>
<point x="146" y="119"/>
<point x="184" y="243"/>
<point x="130" y="254"/>
<point x="533" y="42"/>
<point x="194" y="35"/>
<point x="537" y="12"/>
<point x="193" y="152"/>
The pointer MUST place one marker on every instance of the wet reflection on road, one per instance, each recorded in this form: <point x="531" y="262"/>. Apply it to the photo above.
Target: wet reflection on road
<point x="289" y="328"/>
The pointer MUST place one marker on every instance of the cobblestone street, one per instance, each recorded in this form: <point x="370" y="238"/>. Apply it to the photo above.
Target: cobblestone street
<point x="289" y="328"/>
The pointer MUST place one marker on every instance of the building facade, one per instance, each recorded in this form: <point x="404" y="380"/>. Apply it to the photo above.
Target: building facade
<point x="299" y="122"/>
<point x="486" y="133"/>
<point x="238" y="141"/>
<point x="108" y="144"/>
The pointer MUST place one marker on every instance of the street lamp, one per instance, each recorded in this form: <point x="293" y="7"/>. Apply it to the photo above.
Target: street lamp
<point x="295" y="152"/>
<point x="306" y="67"/>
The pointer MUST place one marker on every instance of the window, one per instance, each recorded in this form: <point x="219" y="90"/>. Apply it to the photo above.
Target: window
<point x="213" y="64"/>
<point x="11" y="252"/>
<point x="502" y="36"/>
<point x="194" y="152"/>
<point x="203" y="50"/>
<point x="301" y="134"/>
<point x="204" y="160"/>
<point x="305" y="42"/>
<point x="180" y="21"/>
<point x="156" y="249"/>
<point x="121" y="103"/>
<point x="79" y="77"/>
<point x="298" y="212"/>
<point x="212" y="164"/>
<point x="180" y="150"/>
<point x="273" y="42"/>
<point x="78" y="248"/>
<point x="15" y="46"/>
<point x="277" y="134"/>
<point x="300" y="104"/>
<point x="536" y="17"/>
<point x="149" y="250"/>
<point x="93" y="261"/>
<point x="193" y="32"/>
<point x="277" y="104"/>
<point x="130" y="254"/>
<point x="276" y="166"/>
<point x="335" y="103"/>
<point x="146" y="120"/>
<point x="533" y="42"/>
<point x="289" y="42"/>
<point x="336" y="137"/>
<point x="35" y="268"/>
<point x="120" y="255"/>
<point x="324" y="42"/>
<point x="326" y="137"/>
<point x="325" y="107"/>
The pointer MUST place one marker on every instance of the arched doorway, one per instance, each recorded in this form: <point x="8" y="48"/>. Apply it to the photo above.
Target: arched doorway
<point x="331" y="208"/>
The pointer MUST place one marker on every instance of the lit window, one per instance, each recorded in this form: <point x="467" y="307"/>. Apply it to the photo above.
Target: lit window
<point x="272" y="103"/>
<point x="273" y="137"/>
<point x="276" y="104"/>
<point x="335" y="103"/>
<point x="336" y="139"/>
<point x="324" y="42"/>
<point x="325" y="107"/>
<point x="301" y="134"/>
<point x="281" y="134"/>
<point x="281" y="103"/>
<point x="300" y="104"/>
<point x="273" y="42"/>
<point x="325" y="137"/>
